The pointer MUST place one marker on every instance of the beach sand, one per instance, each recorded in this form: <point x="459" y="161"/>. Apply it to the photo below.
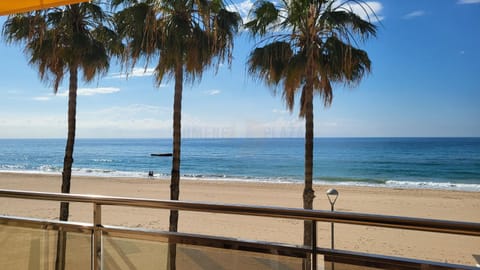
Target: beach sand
<point x="437" y="204"/>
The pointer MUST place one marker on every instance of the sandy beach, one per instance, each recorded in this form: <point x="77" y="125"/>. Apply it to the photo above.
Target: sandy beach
<point x="437" y="204"/>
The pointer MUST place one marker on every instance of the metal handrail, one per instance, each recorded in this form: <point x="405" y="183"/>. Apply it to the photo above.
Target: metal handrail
<point x="289" y="250"/>
<point x="409" y="223"/>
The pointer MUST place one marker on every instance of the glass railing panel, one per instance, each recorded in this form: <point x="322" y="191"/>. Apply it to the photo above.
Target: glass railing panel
<point x="344" y="266"/>
<point x="26" y="248"/>
<point x="122" y="253"/>
<point x="200" y="258"/>
<point x="35" y="249"/>
<point x="79" y="251"/>
<point x="456" y="249"/>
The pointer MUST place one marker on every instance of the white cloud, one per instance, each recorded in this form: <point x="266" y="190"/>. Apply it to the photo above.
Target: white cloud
<point x="213" y="92"/>
<point x="280" y="127"/>
<point x="280" y="111"/>
<point x="33" y="126"/>
<point x="132" y="110"/>
<point x="371" y="10"/>
<point x="42" y="98"/>
<point x="81" y="92"/>
<point x="414" y="14"/>
<point x="243" y="8"/>
<point x="129" y="121"/>
<point x="97" y="91"/>
<point x="468" y="1"/>
<point x="92" y="91"/>
<point x="195" y="127"/>
<point x="136" y="72"/>
<point x="13" y="92"/>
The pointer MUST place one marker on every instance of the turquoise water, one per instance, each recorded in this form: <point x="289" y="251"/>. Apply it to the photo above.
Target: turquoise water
<point x="446" y="163"/>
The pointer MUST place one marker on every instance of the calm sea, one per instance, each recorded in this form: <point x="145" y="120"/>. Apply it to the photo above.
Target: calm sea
<point x="446" y="163"/>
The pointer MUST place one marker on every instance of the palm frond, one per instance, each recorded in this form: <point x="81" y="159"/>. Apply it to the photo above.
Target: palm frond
<point x="192" y="33"/>
<point x="265" y="15"/>
<point x="269" y="62"/>
<point x="59" y="39"/>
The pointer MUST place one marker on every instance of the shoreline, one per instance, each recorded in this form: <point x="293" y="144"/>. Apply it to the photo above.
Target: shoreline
<point x="424" y="203"/>
<point x="389" y="184"/>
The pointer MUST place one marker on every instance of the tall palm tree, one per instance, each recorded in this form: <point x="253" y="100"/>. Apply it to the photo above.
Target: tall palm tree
<point x="306" y="46"/>
<point x="187" y="36"/>
<point x="65" y="40"/>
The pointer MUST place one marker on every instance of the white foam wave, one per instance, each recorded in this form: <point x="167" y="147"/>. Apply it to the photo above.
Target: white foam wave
<point x="102" y="160"/>
<point x="48" y="169"/>
<point x="109" y="173"/>
<point x="240" y="179"/>
<point x="12" y="167"/>
<point x="434" y="185"/>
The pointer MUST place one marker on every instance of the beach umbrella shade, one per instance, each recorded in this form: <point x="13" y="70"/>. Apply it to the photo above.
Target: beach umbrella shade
<point x="12" y="7"/>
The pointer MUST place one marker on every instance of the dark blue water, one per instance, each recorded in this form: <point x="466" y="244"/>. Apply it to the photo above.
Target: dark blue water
<point x="448" y="163"/>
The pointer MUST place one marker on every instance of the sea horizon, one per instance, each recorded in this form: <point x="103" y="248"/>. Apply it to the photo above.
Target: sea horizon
<point x="451" y="163"/>
<point x="226" y="138"/>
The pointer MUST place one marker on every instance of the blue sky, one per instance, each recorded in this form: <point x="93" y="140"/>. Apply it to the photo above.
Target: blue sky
<point x="424" y="82"/>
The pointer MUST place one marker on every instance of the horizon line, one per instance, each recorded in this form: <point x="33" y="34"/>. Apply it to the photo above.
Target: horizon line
<point x="226" y="138"/>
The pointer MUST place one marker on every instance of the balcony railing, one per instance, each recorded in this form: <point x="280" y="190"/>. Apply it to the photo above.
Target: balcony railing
<point x="28" y="243"/>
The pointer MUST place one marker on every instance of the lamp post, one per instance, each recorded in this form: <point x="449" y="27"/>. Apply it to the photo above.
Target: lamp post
<point x="332" y="195"/>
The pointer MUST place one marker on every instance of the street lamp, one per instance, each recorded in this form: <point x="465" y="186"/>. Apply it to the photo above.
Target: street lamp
<point x="332" y="195"/>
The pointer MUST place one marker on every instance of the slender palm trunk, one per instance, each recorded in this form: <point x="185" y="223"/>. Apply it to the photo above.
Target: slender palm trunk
<point x="67" y="165"/>
<point x="308" y="192"/>
<point x="175" y="178"/>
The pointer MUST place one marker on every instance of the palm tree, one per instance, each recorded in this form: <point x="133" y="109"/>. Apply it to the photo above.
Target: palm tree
<point x="63" y="40"/>
<point x="306" y="46"/>
<point x="186" y="35"/>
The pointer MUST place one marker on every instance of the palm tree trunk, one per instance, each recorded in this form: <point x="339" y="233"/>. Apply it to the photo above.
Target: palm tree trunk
<point x="308" y="192"/>
<point x="175" y="178"/>
<point x="67" y="165"/>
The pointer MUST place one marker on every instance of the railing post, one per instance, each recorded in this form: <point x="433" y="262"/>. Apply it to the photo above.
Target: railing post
<point x="314" y="245"/>
<point x="97" y="237"/>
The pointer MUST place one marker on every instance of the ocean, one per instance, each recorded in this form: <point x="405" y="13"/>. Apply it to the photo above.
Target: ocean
<point x="437" y="163"/>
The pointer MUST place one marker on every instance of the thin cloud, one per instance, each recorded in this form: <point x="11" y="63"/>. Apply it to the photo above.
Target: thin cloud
<point x="81" y="92"/>
<point x="280" y="127"/>
<point x="213" y="92"/>
<point x="414" y="14"/>
<point x="280" y="111"/>
<point x="136" y="72"/>
<point x="133" y="109"/>
<point x="92" y="91"/>
<point x="43" y="98"/>
<point x="463" y="2"/>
